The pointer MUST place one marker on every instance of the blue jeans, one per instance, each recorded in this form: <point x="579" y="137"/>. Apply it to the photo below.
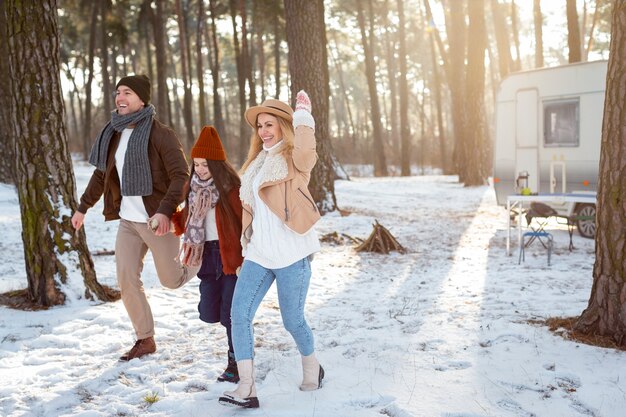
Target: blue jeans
<point x="292" y="284"/>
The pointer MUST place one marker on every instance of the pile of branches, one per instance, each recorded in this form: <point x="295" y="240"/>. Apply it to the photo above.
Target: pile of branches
<point x="381" y="241"/>
<point x="335" y="238"/>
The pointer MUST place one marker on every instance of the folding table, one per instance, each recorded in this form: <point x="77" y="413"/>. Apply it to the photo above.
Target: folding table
<point x="518" y="200"/>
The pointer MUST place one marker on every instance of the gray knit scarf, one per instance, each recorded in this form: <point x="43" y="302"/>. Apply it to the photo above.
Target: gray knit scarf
<point x="203" y="196"/>
<point x="136" y="176"/>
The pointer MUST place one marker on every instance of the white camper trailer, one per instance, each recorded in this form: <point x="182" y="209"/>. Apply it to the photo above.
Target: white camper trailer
<point x="547" y="139"/>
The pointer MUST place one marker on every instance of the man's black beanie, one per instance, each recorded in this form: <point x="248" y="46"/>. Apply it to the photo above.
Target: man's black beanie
<point x="140" y="84"/>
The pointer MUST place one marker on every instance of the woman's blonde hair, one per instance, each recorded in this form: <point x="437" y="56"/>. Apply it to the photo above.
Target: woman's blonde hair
<point x="256" y="143"/>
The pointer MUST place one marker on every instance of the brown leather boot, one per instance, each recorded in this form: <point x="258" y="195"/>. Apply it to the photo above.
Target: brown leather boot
<point x="142" y="347"/>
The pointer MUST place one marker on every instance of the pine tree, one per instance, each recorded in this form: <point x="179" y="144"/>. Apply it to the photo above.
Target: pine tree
<point x="55" y="254"/>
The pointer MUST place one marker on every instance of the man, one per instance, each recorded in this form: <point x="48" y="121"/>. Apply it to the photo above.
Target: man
<point x="141" y="170"/>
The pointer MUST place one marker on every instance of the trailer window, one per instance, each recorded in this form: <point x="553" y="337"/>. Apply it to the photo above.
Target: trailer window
<point x="561" y="123"/>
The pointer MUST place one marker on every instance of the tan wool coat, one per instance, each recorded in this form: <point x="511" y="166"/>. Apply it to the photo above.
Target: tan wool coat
<point x="284" y="185"/>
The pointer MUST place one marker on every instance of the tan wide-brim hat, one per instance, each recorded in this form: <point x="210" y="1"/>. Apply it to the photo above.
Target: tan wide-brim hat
<point x="271" y="106"/>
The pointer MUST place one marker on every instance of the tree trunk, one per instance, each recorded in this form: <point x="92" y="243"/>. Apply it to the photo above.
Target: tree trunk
<point x="200" y="29"/>
<point x="308" y="65"/>
<point x="605" y="314"/>
<point x="421" y="106"/>
<point x="439" y="107"/>
<point x="161" y="64"/>
<point x="455" y="68"/>
<point x="74" y="117"/>
<point x="405" y="128"/>
<point x="260" y="50"/>
<point x="7" y="167"/>
<point x="392" y="125"/>
<point x="380" y="164"/>
<point x="344" y="90"/>
<point x="573" y="32"/>
<point x="594" y="21"/>
<point x="538" y="19"/>
<point x="244" y="129"/>
<point x="277" y="39"/>
<point x="79" y="119"/>
<point x="247" y="53"/>
<point x="55" y="255"/>
<point x="518" y="58"/>
<point x="502" y="39"/>
<point x="215" y="74"/>
<point x="182" y="39"/>
<point x="88" y="137"/>
<point x="494" y="76"/>
<point x="176" y="115"/>
<point x="453" y="75"/>
<point x="340" y="125"/>
<point x="472" y="168"/>
<point x="146" y="20"/>
<point x="104" y="54"/>
<point x="114" y="66"/>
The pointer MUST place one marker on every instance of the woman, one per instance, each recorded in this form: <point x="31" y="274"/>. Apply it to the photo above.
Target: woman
<point x="211" y="222"/>
<point x="278" y="236"/>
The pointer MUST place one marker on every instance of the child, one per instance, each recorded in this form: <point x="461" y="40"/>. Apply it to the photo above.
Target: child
<point x="211" y="222"/>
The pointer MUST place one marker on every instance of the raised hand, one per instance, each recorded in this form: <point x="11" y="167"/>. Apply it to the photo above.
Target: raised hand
<point x="303" y="102"/>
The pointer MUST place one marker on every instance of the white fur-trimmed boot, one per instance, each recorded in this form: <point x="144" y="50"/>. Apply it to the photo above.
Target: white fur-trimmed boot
<point x="312" y="373"/>
<point x="245" y="394"/>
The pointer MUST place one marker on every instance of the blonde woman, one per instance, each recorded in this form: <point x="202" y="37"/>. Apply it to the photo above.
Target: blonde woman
<point x="278" y="237"/>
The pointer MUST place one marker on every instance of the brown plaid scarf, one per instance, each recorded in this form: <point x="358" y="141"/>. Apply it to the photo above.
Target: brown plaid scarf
<point x="203" y="196"/>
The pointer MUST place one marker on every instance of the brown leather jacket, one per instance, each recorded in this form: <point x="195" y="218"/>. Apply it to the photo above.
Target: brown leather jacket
<point x="289" y="197"/>
<point x="169" y="173"/>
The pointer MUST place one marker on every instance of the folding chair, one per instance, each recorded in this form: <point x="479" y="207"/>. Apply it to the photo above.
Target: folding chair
<point x="540" y="213"/>
<point x="535" y="235"/>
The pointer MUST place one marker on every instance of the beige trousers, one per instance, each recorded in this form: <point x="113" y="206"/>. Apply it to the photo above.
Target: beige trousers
<point x="132" y="244"/>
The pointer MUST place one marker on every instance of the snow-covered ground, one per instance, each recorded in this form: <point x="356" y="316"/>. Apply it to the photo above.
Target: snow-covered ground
<point x="442" y="331"/>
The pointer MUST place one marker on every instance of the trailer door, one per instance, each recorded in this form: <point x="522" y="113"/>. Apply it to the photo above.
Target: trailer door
<point x="527" y="137"/>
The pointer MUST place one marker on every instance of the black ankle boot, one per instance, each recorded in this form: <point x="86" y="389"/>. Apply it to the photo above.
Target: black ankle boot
<point x="230" y="374"/>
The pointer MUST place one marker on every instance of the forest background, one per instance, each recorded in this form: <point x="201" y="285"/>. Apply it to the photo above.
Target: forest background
<point x="411" y="83"/>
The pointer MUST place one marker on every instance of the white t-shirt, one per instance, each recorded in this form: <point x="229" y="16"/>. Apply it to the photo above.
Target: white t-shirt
<point x="132" y="207"/>
<point x="210" y="226"/>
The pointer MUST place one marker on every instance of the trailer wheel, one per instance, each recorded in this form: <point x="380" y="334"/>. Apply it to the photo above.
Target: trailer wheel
<point x="586" y="224"/>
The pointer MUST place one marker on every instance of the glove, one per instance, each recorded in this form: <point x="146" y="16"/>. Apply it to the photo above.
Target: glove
<point x="302" y="116"/>
<point x="303" y="102"/>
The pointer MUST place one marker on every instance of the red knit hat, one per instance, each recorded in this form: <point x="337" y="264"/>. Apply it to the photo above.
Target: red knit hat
<point x="208" y="145"/>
